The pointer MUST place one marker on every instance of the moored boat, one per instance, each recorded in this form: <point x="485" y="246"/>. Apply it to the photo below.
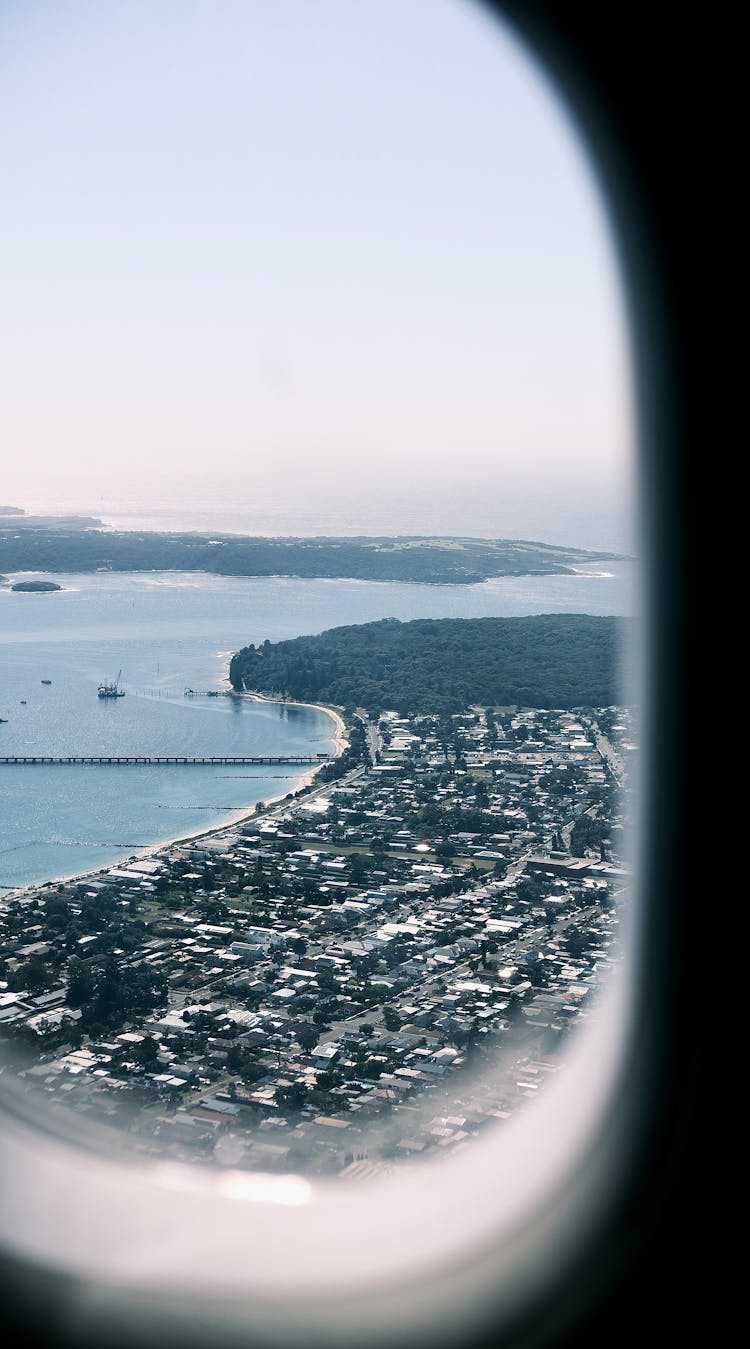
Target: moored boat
<point x="112" y="690"/>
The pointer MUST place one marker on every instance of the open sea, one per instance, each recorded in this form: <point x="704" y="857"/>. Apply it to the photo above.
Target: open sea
<point x="167" y="631"/>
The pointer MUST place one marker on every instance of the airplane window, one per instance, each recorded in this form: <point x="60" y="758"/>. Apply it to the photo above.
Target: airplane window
<point x="322" y="694"/>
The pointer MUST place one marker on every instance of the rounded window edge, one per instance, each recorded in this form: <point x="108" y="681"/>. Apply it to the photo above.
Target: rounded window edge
<point x="82" y="1305"/>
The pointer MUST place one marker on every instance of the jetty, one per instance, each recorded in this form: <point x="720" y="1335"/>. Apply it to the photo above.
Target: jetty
<point x="231" y="759"/>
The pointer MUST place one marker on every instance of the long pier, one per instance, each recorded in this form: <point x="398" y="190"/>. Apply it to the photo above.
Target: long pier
<point x="164" y="758"/>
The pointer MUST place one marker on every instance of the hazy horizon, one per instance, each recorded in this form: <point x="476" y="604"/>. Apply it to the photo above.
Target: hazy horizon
<point x="330" y="269"/>
<point x="280" y="519"/>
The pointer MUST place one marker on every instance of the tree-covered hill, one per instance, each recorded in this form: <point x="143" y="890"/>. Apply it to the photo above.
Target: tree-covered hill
<point x="445" y="664"/>
<point x="446" y="561"/>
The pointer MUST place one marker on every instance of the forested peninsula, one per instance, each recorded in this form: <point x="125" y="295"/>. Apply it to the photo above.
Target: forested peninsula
<point x="445" y="561"/>
<point x="444" y="665"/>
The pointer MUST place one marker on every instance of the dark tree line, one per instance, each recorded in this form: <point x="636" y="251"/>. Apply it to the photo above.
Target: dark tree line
<point x="444" y="665"/>
<point x="432" y="561"/>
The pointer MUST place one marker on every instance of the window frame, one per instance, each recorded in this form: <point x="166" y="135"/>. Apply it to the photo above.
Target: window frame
<point x="650" y="1091"/>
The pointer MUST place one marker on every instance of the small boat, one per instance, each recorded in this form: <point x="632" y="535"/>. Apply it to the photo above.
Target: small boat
<point x="46" y="681"/>
<point x="23" y="702"/>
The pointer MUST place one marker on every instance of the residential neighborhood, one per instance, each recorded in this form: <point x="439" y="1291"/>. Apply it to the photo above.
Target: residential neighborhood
<point x="378" y="966"/>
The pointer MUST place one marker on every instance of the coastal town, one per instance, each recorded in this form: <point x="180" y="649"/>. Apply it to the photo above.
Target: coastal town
<point x="376" y="967"/>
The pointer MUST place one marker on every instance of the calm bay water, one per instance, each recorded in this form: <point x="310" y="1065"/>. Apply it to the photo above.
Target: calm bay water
<point x="167" y="631"/>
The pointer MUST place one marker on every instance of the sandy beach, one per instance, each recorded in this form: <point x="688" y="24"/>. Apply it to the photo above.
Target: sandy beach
<point x="340" y="736"/>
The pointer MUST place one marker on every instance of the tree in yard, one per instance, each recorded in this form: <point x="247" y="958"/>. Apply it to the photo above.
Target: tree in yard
<point x="307" y="1035"/>
<point x="537" y="973"/>
<point x="327" y="979"/>
<point x="147" y="1052"/>
<point x="587" y="832"/>
<point x="364" y="965"/>
<point x="251" y="1070"/>
<point x="108" y="986"/>
<point x="391" y="1018"/>
<point x="213" y="909"/>
<point x="34" y="974"/>
<point x="358" y="868"/>
<point x="72" y="935"/>
<point x="291" y="1098"/>
<point x="579" y="941"/>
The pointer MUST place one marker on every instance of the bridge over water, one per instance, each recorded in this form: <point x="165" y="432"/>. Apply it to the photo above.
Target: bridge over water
<point x="234" y="759"/>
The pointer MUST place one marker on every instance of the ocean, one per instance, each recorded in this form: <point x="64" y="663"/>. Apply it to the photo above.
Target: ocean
<point x="167" y="631"/>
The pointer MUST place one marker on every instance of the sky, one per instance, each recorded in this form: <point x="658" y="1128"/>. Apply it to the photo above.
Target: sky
<point x="293" y="267"/>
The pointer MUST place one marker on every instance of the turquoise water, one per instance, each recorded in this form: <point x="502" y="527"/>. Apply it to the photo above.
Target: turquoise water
<point x="167" y="631"/>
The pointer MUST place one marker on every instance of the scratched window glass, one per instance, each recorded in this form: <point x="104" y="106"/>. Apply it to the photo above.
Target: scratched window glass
<point x="319" y="581"/>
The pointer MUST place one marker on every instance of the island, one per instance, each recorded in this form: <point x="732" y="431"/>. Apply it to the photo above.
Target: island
<point x="39" y="546"/>
<point x="42" y="587"/>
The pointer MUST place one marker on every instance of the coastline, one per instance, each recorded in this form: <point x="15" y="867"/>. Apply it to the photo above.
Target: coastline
<point x="339" y="737"/>
<point x="237" y="817"/>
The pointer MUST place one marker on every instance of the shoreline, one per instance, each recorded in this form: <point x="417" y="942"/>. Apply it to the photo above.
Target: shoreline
<point x="570" y="567"/>
<point x="339" y="737"/>
<point x="237" y="817"/>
